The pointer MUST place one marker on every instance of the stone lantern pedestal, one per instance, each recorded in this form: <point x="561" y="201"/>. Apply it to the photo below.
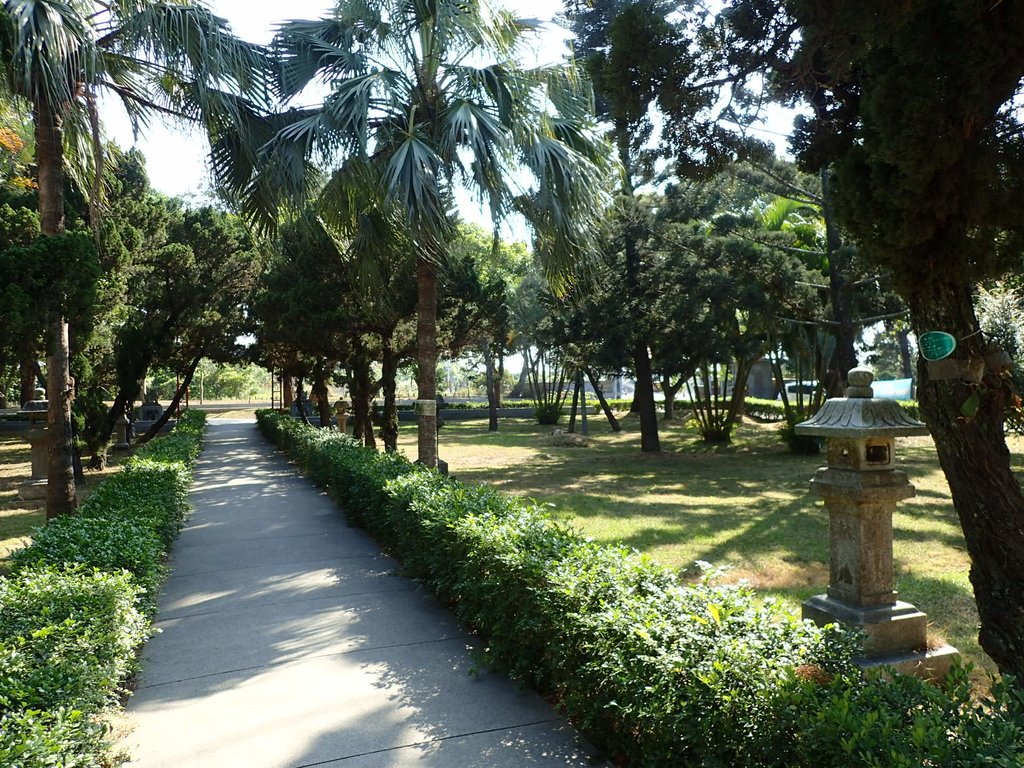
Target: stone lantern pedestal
<point x="121" y="424"/>
<point x="341" y="414"/>
<point x="34" y="488"/>
<point x="861" y="487"/>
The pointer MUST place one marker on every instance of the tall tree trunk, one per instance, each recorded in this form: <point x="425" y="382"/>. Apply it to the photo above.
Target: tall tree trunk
<point x="519" y="390"/>
<point x="844" y="356"/>
<point x="61" y="498"/>
<point x="906" y="363"/>
<point x="501" y="376"/>
<point x="575" y="403"/>
<point x="155" y="428"/>
<point x="671" y="390"/>
<point x="612" y="421"/>
<point x="362" y="397"/>
<point x="643" y="395"/>
<point x="287" y="391"/>
<point x="643" y="398"/>
<point x="583" y="401"/>
<point x="28" y="375"/>
<point x="300" y="402"/>
<point x="492" y="393"/>
<point x="99" y="458"/>
<point x="426" y="361"/>
<point x="389" y="387"/>
<point x="973" y="454"/>
<point x="319" y="390"/>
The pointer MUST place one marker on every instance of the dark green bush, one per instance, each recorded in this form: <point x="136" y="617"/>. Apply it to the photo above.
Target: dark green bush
<point x="109" y="543"/>
<point x="66" y="636"/>
<point x="903" y="722"/>
<point x="656" y="673"/>
<point x="801" y="445"/>
<point x="131" y="519"/>
<point x="765" y="410"/>
<point x="64" y="737"/>
<point x="78" y="601"/>
<point x="548" y="413"/>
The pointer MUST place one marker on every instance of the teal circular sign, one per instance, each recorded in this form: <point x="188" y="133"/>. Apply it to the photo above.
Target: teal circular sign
<point x="936" y="345"/>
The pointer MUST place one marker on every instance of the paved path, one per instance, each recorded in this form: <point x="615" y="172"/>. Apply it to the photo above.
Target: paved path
<point x="288" y="640"/>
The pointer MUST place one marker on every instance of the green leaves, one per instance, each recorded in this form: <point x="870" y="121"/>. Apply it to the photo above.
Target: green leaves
<point x="78" y="604"/>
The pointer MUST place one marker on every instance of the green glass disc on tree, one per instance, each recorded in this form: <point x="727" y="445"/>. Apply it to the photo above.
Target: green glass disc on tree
<point x="936" y="345"/>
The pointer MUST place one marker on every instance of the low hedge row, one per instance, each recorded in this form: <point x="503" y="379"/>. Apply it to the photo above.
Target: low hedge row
<point x="79" y="601"/>
<point x="656" y="673"/>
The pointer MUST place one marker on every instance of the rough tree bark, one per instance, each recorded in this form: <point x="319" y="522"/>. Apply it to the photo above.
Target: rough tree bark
<point x="28" y="375"/>
<point x="319" y="390"/>
<point x="612" y="421"/>
<point x="643" y="395"/>
<point x="426" y="361"/>
<point x="844" y="357"/>
<point x="389" y="387"/>
<point x="973" y="454"/>
<point x="361" y="387"/>
<point x="492" y="395"/>
<point x="61" y="498"/>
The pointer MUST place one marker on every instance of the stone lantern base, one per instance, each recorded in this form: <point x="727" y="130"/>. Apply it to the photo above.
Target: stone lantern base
<point x="32" y="490"/>
<point x="895" y="635"/>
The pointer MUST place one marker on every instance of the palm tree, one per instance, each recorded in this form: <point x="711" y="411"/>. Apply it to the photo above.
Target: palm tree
<point x="432" y="93"/>
<point x="156" y="56"/>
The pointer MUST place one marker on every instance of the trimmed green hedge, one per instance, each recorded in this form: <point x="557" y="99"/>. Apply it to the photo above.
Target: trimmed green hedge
<point x="654" y="672"/>
<point x="79" y="601"/>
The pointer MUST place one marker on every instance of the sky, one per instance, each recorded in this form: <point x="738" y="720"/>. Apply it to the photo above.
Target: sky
<point x="176" y="156"/>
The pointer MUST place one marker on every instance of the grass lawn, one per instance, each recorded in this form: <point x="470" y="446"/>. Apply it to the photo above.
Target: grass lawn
<point x="746" y="507"/>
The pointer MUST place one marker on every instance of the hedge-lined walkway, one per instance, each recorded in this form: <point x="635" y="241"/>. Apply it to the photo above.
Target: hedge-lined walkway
<point x="287" y="640"/>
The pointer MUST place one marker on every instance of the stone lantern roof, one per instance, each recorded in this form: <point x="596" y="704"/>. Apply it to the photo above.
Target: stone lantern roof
<point x="859" y="415"/>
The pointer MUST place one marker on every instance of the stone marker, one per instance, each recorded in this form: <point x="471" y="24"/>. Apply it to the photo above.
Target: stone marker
<point x="861" y="486"/>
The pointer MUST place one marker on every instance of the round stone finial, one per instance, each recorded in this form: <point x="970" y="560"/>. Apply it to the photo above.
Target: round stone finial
<point x="859" y="382"/>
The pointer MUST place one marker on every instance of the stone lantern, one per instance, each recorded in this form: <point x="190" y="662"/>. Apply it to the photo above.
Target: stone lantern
<point x="341" y="412"/>
<point x="121" y="425"/>
<point x="861" y="486"/>
<point x="38" y="437"/>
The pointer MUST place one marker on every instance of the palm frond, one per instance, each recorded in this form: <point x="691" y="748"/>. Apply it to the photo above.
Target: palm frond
<point x="51" y="49"/>
<point x="189" y="43"/>
<point x="323" y="50"/>
<point x="412" y="177"/>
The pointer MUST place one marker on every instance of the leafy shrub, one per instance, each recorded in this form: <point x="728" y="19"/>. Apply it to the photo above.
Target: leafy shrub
<point x="903" y="722"/>
<point x="108" y="543"/>
<point x="64" y="737"/>
<point x="765" y="410"/>
<point x="77" y="605"/>
<point x="130" y="520"/>
<point x="801" y="445"/>
<point x="66" y="636"/>
<point x="548" y="413"/>
<point x="656" y="673"/>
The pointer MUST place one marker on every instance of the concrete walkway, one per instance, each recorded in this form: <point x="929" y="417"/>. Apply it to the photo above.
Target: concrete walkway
<point x="287" y="640"/>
